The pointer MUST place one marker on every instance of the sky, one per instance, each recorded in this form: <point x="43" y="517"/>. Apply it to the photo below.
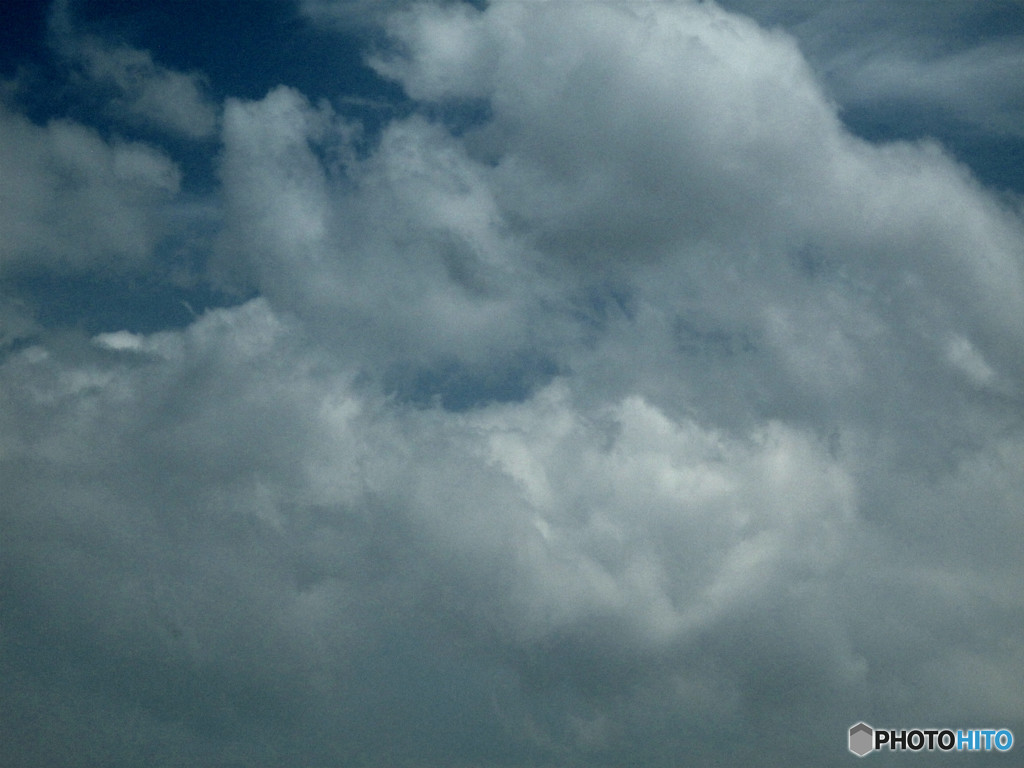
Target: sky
<point x="512" y="384"/>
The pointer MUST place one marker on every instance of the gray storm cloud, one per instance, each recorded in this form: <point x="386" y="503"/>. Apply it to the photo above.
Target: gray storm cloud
<point x="733" y="458"/>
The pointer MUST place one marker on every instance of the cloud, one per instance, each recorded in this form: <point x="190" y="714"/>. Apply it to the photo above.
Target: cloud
<point x="136" y="89"/>
<point x="971" y="85"/>
<point x="406" y="245"/>
<point x="951" y="66"/>
<point x="16" y="322"/>
<point x="645" y="412"/>
<point x="85" y="205"/>
<point x="74" y="200"/>
<point x="171" y="101"/>
<point x="281" y="549"/>
<point x="565" y="546"/>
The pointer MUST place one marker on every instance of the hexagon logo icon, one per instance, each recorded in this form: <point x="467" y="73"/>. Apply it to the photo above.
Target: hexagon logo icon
<point x="862" y="737"/>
